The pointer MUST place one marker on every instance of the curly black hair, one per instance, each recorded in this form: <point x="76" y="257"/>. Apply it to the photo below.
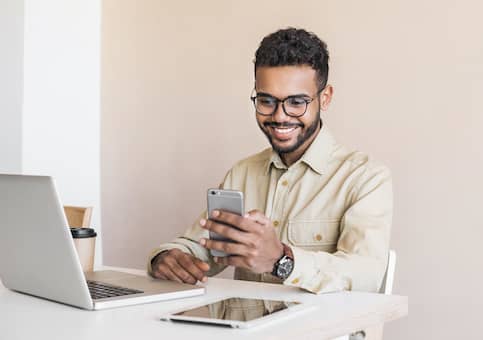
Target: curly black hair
<point x="292" y="46"/>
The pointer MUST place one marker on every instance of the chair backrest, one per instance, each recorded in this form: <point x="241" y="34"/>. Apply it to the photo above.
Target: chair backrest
<point x="386" y="288"/>
<point x="376" y="332"/>
<point x="388" y="280"/>
<point x="78" y="217"/>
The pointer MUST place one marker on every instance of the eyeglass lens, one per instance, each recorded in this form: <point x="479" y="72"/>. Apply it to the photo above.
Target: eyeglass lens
<point x="292" y="106"/>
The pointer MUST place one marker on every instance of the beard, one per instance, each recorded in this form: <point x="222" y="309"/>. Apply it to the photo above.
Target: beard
<point x="301" y="139"/>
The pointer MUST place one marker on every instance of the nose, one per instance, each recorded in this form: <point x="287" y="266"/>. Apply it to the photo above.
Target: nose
<point x="279" y="115"/>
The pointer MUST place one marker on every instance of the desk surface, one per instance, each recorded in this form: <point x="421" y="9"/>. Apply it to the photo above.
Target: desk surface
<point x="27" y="317"/>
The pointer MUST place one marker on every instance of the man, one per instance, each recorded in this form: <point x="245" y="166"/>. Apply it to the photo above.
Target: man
<point x="319" y="215"/>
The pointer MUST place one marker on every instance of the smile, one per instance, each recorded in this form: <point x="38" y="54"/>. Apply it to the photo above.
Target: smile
<point x="284" y="130"/>
<point x="283" y="134"/>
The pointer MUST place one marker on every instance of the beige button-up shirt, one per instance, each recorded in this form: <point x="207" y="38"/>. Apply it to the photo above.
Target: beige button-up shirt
<point x="333" y="207"/>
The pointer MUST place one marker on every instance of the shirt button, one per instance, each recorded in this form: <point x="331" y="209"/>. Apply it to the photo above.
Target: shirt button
<point x="318" y="237"/>
<point x="285" y="183"/>
<point x="276" y="223"/>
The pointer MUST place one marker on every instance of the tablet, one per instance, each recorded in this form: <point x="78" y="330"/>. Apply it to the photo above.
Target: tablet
<point x="238" y="312"/>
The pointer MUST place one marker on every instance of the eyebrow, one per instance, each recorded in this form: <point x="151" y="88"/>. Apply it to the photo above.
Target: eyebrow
<point x="292" y="95"/>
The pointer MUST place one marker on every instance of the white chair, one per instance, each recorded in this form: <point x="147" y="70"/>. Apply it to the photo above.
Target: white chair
<point x="386" y="288"/>
<point x="388" y="280"/>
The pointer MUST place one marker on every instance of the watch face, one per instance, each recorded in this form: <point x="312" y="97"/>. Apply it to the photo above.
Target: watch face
<point x="285" y="268"/>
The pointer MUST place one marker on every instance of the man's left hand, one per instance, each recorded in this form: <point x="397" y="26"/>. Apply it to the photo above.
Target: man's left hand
<point x="256" y="246"/>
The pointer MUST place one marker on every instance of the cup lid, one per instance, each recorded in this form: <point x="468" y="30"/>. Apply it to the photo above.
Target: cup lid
<point x="83" y="232"/>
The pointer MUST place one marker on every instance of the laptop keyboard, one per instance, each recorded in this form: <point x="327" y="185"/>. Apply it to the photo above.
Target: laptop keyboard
<point x="102" y="290"/>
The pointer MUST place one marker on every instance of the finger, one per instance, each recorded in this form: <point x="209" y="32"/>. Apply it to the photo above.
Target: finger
<point x="202" y="265"/>
<point x="258" y="216"/>
<point x="235" y="220"/>
<point x="161" y="276"/>
<point x="188" y="264"/>
<point x="168" y="274"/>
<point x="157" y="274"/>
<point x="179" y="271"/>
<point x="226" y="247"/>
<point x="236" y="261"/>
<point x="227" y="231"/>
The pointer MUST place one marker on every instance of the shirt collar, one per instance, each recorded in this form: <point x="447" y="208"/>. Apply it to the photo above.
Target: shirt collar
<point x="316" y="157"/>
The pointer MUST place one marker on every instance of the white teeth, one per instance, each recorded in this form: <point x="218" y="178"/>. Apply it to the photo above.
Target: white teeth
<point x="284" y="130"/>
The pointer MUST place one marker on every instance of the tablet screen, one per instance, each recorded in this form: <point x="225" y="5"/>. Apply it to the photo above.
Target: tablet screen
<point x="237" y="309"/>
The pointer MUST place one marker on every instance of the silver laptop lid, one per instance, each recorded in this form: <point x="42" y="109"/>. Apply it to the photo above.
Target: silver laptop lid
<point x="37" y="254"/>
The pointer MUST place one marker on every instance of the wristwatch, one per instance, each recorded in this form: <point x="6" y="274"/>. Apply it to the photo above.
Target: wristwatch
<point x="284" y="266"/>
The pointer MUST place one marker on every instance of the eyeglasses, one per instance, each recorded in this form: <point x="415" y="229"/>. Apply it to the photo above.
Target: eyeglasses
<point x="293" y="106"/>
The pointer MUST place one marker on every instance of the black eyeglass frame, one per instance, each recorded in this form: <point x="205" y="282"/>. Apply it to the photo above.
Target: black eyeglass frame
<point x="305" y="98"/>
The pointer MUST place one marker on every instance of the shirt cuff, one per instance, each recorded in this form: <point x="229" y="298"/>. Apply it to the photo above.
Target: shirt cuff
<point x="308" y="273"/>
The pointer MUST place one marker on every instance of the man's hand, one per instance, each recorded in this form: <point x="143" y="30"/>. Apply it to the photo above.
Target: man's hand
<point x="176" y="265"/>
<point x="256" y="246"/>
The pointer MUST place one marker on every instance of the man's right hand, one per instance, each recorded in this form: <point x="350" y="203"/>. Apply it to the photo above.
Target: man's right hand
<point x="176" y="265"/>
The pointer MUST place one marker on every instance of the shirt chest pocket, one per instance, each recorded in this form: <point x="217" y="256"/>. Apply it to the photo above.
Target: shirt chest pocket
<point x="314" y="234"/>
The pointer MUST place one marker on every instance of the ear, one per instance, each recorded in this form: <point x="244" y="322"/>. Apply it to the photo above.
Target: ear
<point x="325" y="97"/>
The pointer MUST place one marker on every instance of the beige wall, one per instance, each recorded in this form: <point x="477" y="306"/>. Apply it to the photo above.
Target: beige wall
<point x="408" y="79"/>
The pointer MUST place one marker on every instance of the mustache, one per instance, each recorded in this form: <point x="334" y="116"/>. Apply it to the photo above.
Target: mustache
<point x="282" y="125"/>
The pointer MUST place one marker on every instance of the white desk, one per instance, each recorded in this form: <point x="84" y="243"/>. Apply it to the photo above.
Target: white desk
<point x="26" y="317"/>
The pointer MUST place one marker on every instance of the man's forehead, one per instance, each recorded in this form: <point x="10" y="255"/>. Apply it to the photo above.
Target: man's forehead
<point x="283" y="81"/>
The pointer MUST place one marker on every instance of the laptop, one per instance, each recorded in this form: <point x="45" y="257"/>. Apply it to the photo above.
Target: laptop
<point x="38" y="257"/>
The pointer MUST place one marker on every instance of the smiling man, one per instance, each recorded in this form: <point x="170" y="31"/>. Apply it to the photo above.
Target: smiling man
<point x="319" y="214"/>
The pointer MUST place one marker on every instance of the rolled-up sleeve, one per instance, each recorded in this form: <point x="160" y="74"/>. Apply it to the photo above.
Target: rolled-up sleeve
<point x="360" y="259"/>
<point x="188" y="243"/>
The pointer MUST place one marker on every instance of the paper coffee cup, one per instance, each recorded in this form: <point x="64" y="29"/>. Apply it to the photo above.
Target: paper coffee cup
<point x="85" y="244"/>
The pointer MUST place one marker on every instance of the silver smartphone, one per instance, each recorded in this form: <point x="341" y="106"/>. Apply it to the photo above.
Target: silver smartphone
<point x="227" y="200"/>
